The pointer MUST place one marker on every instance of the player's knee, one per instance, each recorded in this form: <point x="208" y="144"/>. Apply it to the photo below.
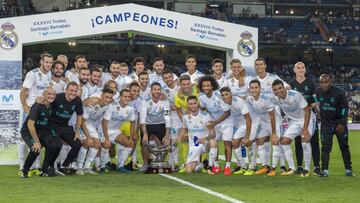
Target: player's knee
<point x="285" y="141"/>
<point x="236" y="144"/>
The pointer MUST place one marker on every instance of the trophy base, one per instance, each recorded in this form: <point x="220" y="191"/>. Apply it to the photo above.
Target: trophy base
<point x="155" y="170"/>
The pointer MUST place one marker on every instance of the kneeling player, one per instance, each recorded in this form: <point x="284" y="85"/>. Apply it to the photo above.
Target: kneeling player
<point x="118" y="113"/>
<point x="201" y="136"/>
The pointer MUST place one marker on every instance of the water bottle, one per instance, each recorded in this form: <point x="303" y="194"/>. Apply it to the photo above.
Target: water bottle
<point x="243" y="151"/>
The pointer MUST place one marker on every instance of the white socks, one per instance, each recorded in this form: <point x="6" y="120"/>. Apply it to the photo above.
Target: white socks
<point x="289" y="156"/>
<point x="239" y="158"/>
<point x="212" y="156"/>
<point x="21" y="153"/>
<point x="252" y="156"/>
<point x="81" y="157"/>
<point x="276" y="155"/>
<point x="267" y="153"/>
<point x="104" y="157"/>
<point x="174" y="157"/>
<point x="262" y="154"/>
<point x="307" y="155"/>
<point x="124" y="156"/>
<point x="120" y="150"/>
<point x="90" y="157"/>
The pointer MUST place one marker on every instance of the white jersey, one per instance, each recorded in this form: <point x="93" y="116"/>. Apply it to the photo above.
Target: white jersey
<point x="215" y="106"/>
<point x="117" y="115"/>
<point x="154" y="77"/>
<point x="259" y="109"/>
<point x="196" y="125"/>
<point x="145" y="94"/>
<point x="155" y="113"/>
<point x="94" y="114"/>
<point x="36" y="82"/>
<point x="122" y="81"/>
<point x="170" y="93"/>
<point x="92" y="89"/>
<point x="59" y="87"/>
<point x="238" y="108"/>
<point x="72" y="76"/>
<point x="85" y="92"/>
<point x="195" y="76"/>
<point x="293" y="105"/>
<point x="222" y="81"/>
<point x="133" y="76"/>
<point x="266" y="83"/>
<point x="239" y="91"/>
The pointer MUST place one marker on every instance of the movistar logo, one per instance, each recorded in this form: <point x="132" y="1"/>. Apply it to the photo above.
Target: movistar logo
<point x="7" y="98"/>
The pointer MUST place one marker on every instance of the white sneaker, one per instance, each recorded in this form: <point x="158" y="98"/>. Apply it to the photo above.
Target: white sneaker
<point x="59" y="172"/>
<point x="80" y="172"/>
<point x="89" y="171"/>
<point x="143" y="168"/>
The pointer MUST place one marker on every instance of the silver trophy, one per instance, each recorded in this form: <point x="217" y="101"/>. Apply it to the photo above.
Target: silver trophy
<point x="158" y="163"/>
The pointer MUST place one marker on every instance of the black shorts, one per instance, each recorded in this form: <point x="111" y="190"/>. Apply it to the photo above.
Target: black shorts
<point x="158" y="130"/>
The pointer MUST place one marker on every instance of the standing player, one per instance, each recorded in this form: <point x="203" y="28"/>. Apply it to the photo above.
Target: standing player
<point x="64" y="105"/>
<point x="333" y="115"/>
<point x="144" y="85"/>
<point x="73" y="74"/>
<point x="302" y="122"/>
<point x="262" y="114"/>
<point x="190" y="63"/>
<point x="123" y="80"/>
<point x="307" y="88"/>
<point x="57" y="69"/>
<point x="210" y="99"/>
<point x="35" y="134"/>
<point x="118" y="113"/>
<point x="154" y="121"/>
<point x="64" y="60"/>
<point x="241" y="124"/>
<point x="114" y="72"/>
<point x="199" y="131"/>
<point x="139" y="66"/>
<point x="237" y="81"/>
<point x="93" y="85"/>
<point x="36" y="81"/>
<point x="158" y="69"/>
<point x="218" y="67"/>
<point x="170" y="91"/>
<point x="94" y="110"/>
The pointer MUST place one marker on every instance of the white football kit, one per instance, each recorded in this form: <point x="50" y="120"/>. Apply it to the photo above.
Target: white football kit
<point x="94" y="115"/>
<point x="194" y="78"/>
<point x="36" y="82"/>
<point x="239" y="91"/>
<point x="238" y="109"/>
<point x="175" y="120"/>
<point x="155" y="112"/>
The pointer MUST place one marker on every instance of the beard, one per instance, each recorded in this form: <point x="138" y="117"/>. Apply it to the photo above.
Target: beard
<point x="83" y="81"/>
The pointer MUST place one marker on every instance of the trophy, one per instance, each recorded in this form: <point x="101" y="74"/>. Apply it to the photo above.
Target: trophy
<point x="159" y="164"/>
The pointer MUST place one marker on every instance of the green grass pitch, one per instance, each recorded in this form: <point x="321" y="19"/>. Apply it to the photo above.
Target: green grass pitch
<point x="136" y="187"/>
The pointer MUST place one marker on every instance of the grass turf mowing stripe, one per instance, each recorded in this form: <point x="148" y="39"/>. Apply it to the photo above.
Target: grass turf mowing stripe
<point x="219" y="195"/>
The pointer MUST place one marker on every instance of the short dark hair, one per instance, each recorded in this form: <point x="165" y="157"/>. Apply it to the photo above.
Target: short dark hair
<point x="189" y="56"/>
<point x="72" y="83"/>
<point x="157" y="59"/>
<point x="217" y="60"/>
<point x="79" y="57"/>
<point x="123" y="64"/>
<point x="191" y="97"/>
<point x="96" y="68"/>
<point x="143" y="73"/>
<point x="166" y="71"/>
<point x="260" y="59"/>
<point x="55" y="63"/>
<point x="155" y="84"/>
<point x="134" y="84"/>
<point x="45" y="54"/>
<point x="211" y="79"/>
<point x="138" y="60"/>
<point x="235" y="61"/>
<point x="83" y="68"/>
<point x="255" y="81"/>
<point x="184" y="77"/>
<point x="278" y="82"/>
<point x="108" y="90"/>
<point x="124" y="90"/>
<point x="225" y="89"/>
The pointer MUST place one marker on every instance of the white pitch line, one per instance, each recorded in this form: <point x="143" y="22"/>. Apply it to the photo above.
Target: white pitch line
<point x="221" y="196"/>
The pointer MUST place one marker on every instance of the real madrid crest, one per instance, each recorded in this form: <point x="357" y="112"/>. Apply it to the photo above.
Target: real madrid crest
<point x="246" y="45"/>
<point x="8" y="38"/>
<point x="118" y="108"/>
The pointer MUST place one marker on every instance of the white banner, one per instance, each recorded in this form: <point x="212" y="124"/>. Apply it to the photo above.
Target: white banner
<point x="10" y="100"/>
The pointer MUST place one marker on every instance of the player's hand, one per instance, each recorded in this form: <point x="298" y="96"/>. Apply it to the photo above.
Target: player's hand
<point x="241" y="81"/>
<point x="77" y="136"/>
<point x="145" y="139"/>
<point x="173" y="107"/>
<point x="306" y="135"/>
<point x="166" y="140"/>
<point x="244" y="141"/>
<point x="36" y="147"/>
<point x="90" y="142"/>
<point x="275" y="139"/>
<point x="340" y="128"/>
<point x="107" y="143"/>
<point x="211" y="125"/>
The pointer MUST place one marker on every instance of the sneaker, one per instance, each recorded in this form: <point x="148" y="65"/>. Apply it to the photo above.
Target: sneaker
<point x="236" y="168"/>
<point x="34" y="172"/>
<point x="283" y="169"/>
<point x="44" y="174"/>
<point x="80" y="172"/>
<point x="349" y="173"/>
<point x="144" y="168"/>
<point x="182" y="169"/>
<point x="317" y="171"/>
<point x="241" y="171"/>
<point x="249" y="172"/>
<point x="23" y="174"/>
<point x="59" y="172"/>
<point x="299" y="170"/>
<point x="123" y="170"/>
<point x="90" y="171"/>
<point x="263" y="170"/>
<point x="305" y="173"/>
<point x="64" y="171"/>
<point x="72" y="171"/>
<point x="272" y="173"/>
<point x="216" y="169"/>
<point x="288" y="172"/>
<point x="47" y="173"/>
<point x="104" y="170"/>
<point x="324" y="173"/>
<point x="227" y="171"/>
<point x="52" y="172"/>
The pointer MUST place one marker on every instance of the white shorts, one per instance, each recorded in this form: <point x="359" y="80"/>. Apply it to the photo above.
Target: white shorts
<point x="195" y="153"/>
<point x="113" y="135"/>
<point x="94" y="131"/>
<point x="260" y="129"/>
<point x="224" y="132"/>
<point x="239" y="132"/>
<point x="82" y="134"/>
<point x="295" y="128"/>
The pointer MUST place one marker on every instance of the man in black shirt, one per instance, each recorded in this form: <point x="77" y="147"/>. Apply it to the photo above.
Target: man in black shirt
<point x="36" y="134"/>
<point x="333" y="114"/>
<point x="64" y="106"/>
<point x="307" y="88"/>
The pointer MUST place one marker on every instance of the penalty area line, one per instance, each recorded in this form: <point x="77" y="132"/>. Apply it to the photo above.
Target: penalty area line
<point x="219" y="195"/>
